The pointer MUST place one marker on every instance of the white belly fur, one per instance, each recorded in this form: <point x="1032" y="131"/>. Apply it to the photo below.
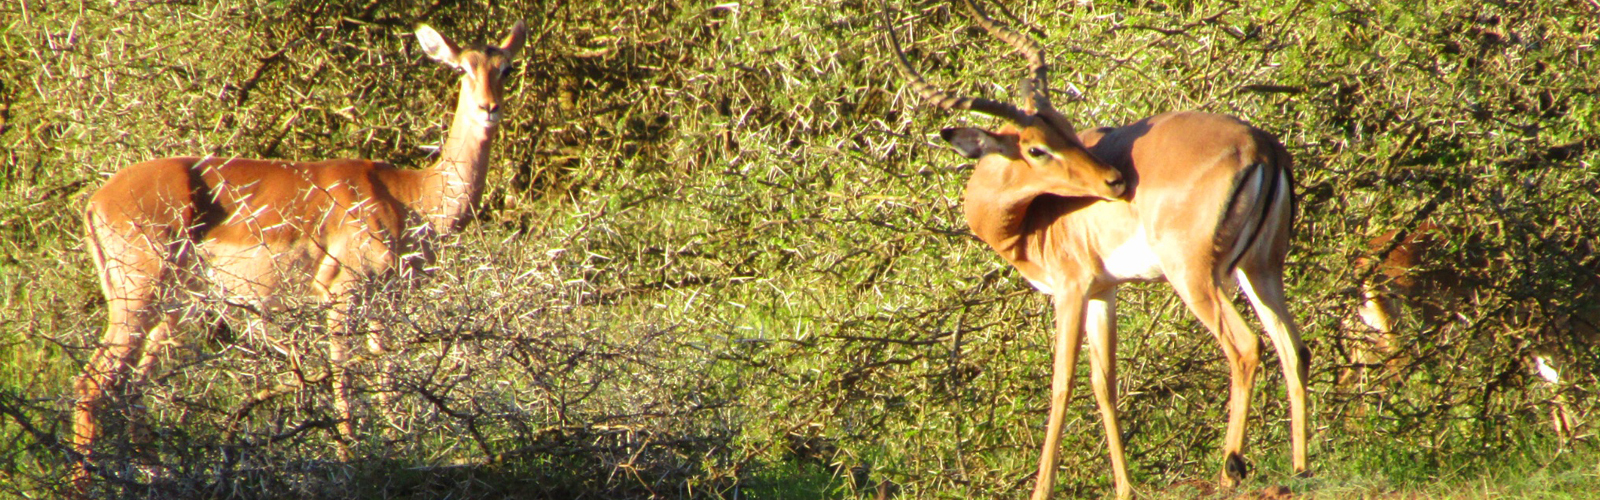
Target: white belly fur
<point x="257" y="273"/>
<point x="1133" y="260"/>
<point x="1041" y="287"/>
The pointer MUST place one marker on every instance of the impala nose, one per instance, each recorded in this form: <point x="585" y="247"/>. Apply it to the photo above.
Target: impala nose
<point x="491" y="112"/>
<point x="1116" y="183"/>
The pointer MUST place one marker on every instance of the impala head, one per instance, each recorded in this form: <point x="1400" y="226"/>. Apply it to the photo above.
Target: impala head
<point x="1046" y="155"/>
<point x="1038" y="145"/>
<point x="483" y="70"/>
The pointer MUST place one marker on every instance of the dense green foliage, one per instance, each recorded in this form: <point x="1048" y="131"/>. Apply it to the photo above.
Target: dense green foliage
<point x="722" y="253"/>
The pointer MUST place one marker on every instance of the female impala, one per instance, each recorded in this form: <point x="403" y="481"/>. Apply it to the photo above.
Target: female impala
<point x="262" y="230"/>
<point x="1201" y="200"/>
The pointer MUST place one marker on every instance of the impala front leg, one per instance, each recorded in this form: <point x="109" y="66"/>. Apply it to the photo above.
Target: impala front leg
<point x="378" y="347"/>
<point x="1100" y="319"/>
<point x="1069" y="305"/>
<point x="338" y="359"/>
<point x="337" y="293"/>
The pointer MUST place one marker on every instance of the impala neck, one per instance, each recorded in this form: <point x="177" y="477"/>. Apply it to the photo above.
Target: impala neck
<point x="997" y="222"/>
<point x="1026" y="226"/>
<point x="997" y="207"/>
<point x="454" y="185"/>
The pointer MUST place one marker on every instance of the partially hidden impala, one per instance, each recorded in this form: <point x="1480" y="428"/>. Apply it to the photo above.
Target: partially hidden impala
<point x="257" y="231"/>
<point x="1200" y="200"/>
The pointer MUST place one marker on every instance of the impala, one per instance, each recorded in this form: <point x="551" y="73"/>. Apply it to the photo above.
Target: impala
<point x="260" y="231"/>
<point x="1203" y="201"/>
<point x="1414" y="269"/>
<point x="1422" y="272"/>
<point x="1399" y="277"/>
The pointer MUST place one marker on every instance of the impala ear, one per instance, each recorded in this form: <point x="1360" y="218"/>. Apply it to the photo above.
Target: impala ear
<point x="437" y="46"/>
<point x="513" y="41"/>
<point x="971" y="142"/>
<point x="1092" y="136"/>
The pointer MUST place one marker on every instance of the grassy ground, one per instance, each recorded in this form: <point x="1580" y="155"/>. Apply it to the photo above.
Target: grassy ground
<point x="722" y="253"/>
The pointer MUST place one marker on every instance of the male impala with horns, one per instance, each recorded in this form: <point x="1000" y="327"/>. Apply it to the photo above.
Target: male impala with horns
<point x="1202" y="201"/>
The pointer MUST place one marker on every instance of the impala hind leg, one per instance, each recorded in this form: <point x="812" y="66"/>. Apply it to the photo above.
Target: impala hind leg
<point x="152" y="346"/>
<point x="105" y="376"/>
<point x="1242" y="347"/>
<point x="130" y="271"/>
<point x="1265" y="291"/>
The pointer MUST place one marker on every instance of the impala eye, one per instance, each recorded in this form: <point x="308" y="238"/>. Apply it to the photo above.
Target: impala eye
<point x="505" y="71"/>
<point x="1038" y="152"/>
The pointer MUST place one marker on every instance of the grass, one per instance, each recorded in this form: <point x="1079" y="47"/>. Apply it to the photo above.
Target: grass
<point x="722" y="253"/>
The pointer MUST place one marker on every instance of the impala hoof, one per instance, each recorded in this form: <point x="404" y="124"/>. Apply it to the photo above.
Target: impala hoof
<point x="1234" y="470"/>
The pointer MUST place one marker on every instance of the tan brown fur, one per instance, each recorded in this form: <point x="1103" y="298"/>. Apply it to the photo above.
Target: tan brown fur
<point x="1197" y="199"/>
<point x="1181" y="166"/>
<point x="257" y="232"/>
<point x="1399" y="275"/>
<point x="1415" y="273"/>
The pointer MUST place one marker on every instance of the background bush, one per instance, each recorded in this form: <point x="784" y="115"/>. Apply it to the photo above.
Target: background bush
<point x="722" y="253"/>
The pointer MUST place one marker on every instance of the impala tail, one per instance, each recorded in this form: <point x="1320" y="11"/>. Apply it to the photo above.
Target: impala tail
<point x="1261" y="209"/>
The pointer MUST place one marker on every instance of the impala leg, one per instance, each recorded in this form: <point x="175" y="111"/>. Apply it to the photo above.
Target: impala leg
<point x="130" y="284"/>
<point x="1247" y="347"/>
<point x="340" y="289"/>
<point x="153" y="345"/>
<point x="378" y="347"/>
<point x="339" y="358"/>
<point x="105" y="373"/>
<point x="1069" y="305"/>
<point x="1100" y="320"/>
<point x="1380" y="311"/>
<point x="1243" y="350"/>
<point x="337" y="290"/>
<point x="1265" y="290"/>
<point x="1244" y="364"/>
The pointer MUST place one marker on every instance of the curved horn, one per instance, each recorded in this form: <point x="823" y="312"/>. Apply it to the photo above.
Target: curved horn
<point x="946" y="100"/>
<point x="1036" y="87"/>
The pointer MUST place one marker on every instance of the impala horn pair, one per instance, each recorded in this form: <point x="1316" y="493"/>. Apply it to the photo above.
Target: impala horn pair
<point x="1036" y="86"/>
